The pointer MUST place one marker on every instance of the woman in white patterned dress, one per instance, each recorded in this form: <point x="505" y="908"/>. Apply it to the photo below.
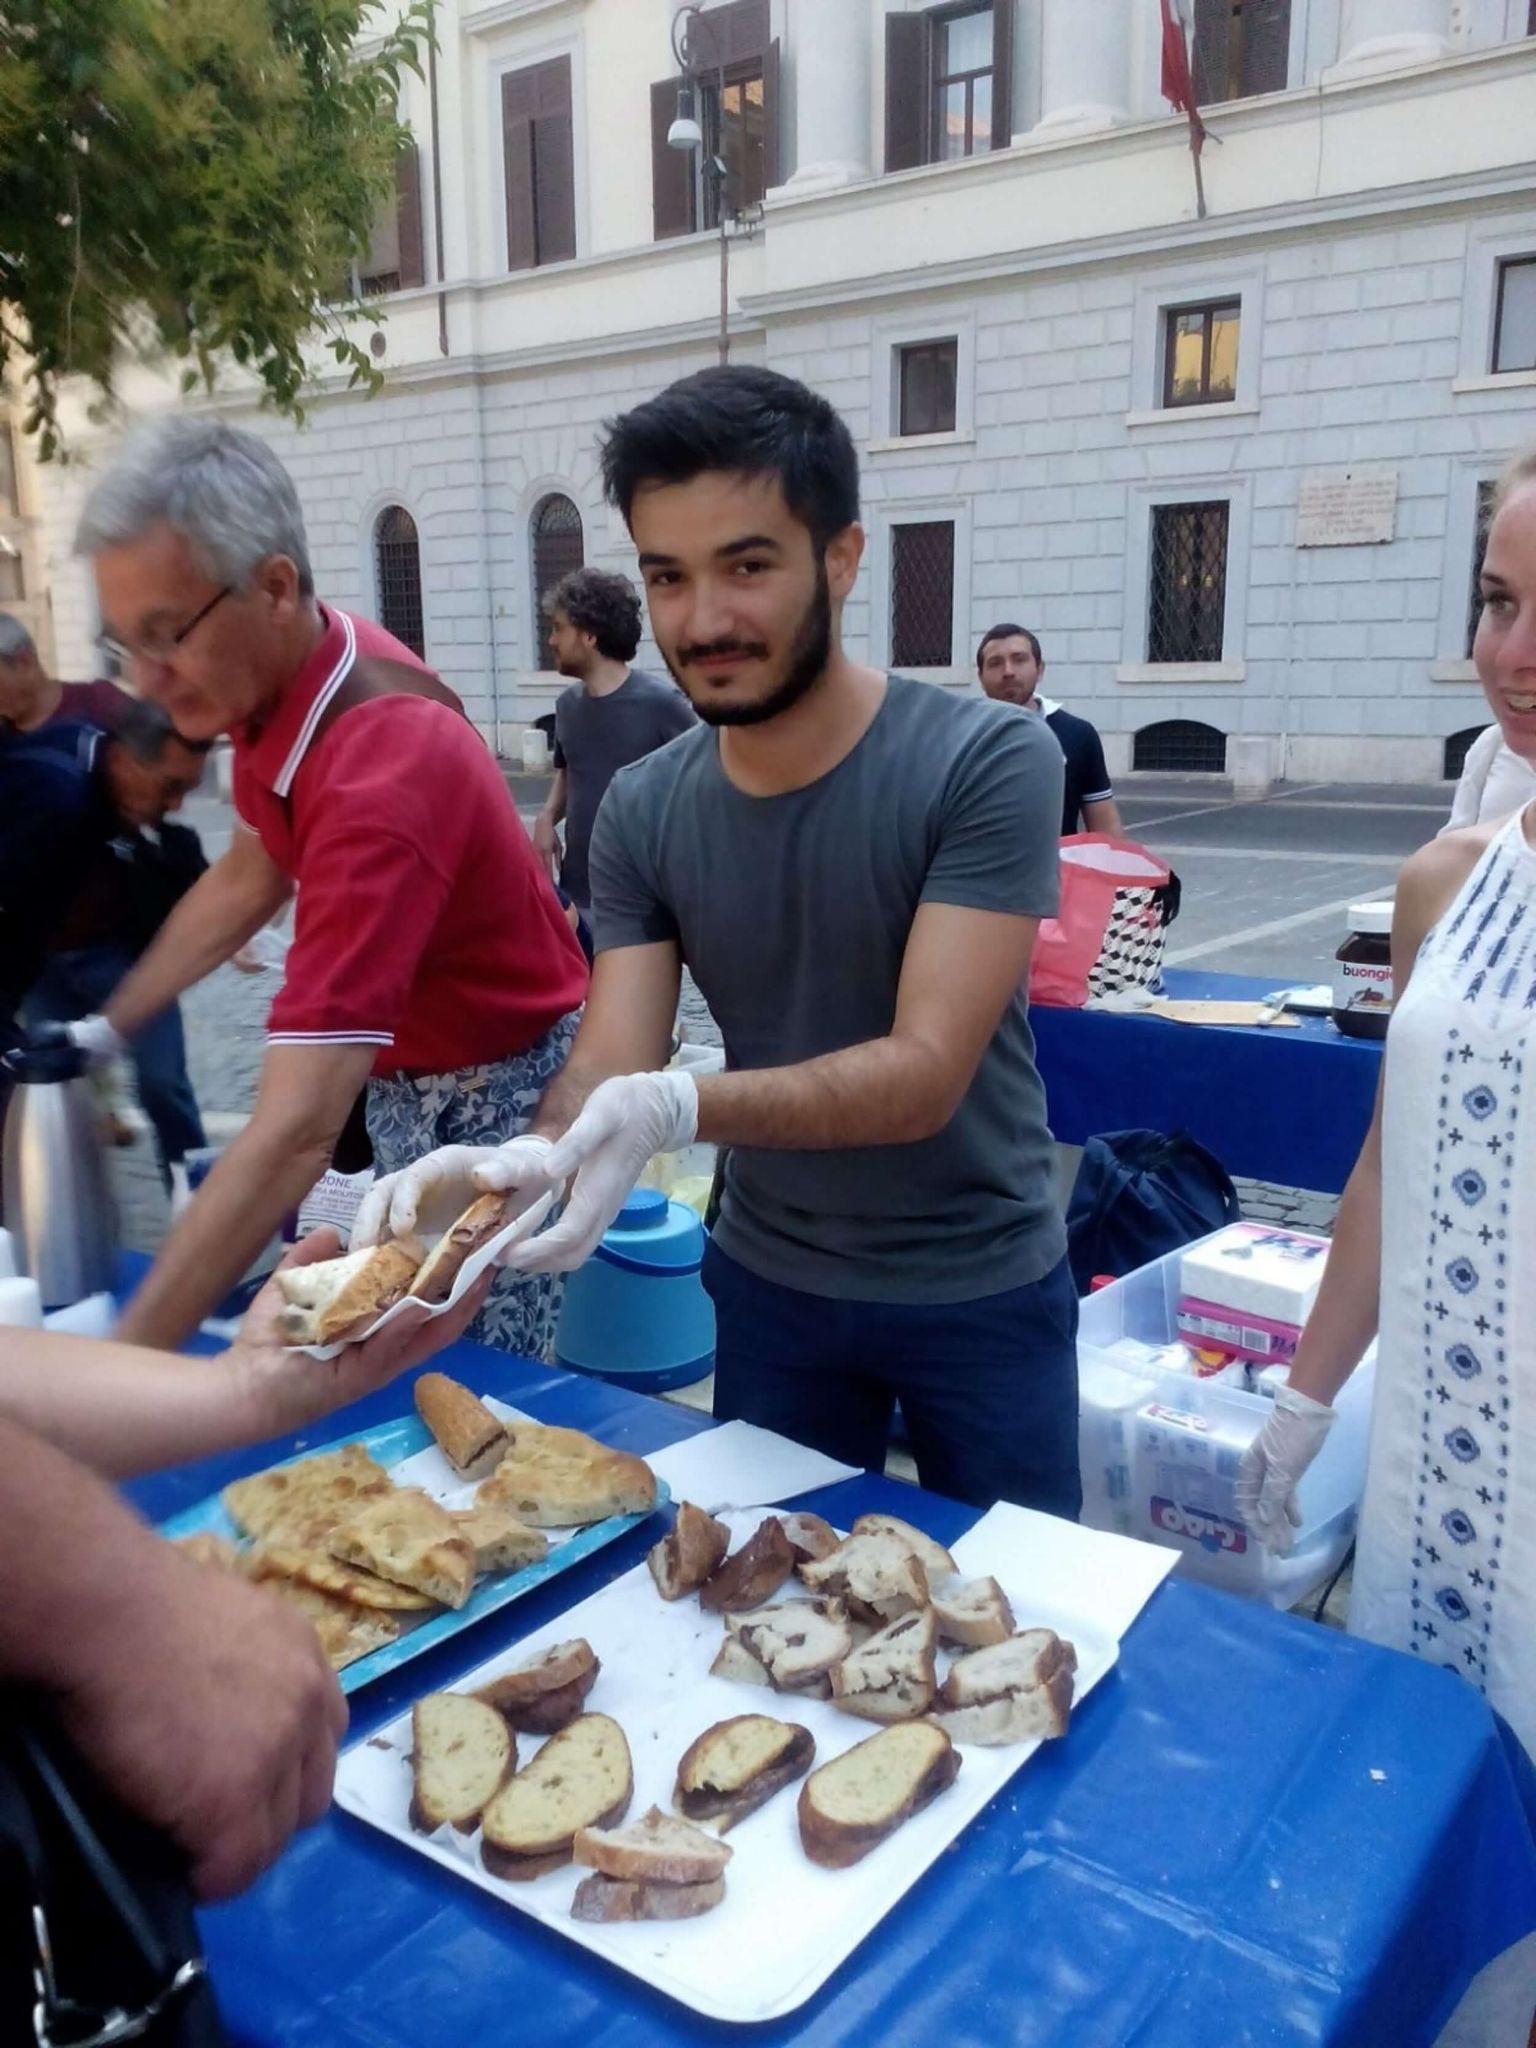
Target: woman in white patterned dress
<point x="1445" y="1187"/>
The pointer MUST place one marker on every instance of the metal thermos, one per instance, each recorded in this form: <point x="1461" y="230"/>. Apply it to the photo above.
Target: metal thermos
<point x="58" y="1204"/>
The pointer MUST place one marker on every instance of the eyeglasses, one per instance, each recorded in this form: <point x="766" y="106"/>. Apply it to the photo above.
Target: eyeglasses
<point x="161" y="647"/>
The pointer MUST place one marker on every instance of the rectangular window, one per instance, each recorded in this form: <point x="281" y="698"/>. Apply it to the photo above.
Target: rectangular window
<point x="731" y="88"/>
<point x="1483" y="520"/>
<point x="1514" y="317"/>
<point x="1241" y="48"/>
<point x="948" y="78"/>
<point x="923" y="594"/>
<point x="960" y="68"/>
<point x="1187" y="594"/>
<point x="732" y="117"/>
<point x="927" y="373"/>
<point x="538" y="153"/>
<point x="1200" y="353"/>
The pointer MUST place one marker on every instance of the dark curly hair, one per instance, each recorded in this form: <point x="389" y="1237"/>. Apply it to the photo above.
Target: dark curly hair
<point x="602" y="604"/>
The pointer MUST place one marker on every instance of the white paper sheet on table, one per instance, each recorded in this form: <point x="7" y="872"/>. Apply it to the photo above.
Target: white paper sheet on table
<point x="739" y="1465"/>
<point x="1088" y="1571"/>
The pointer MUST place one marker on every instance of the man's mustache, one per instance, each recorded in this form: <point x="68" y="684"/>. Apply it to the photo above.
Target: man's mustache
<point x="706" y="650"/>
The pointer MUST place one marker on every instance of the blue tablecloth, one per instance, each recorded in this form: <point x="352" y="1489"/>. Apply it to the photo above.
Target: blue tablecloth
<point x="1288" y="1104"/>
<point x="1257" y="1832"/>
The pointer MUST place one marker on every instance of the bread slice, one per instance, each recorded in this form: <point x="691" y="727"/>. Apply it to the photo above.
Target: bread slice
<point x="737" y="1766"/>
<point x="546" y="1693"/>
<point x="442" y="1265"/>
<point x="971" y="1612"/>
<point x="462" y="1753"/>
<point x="684" y="1558"/>
<point x="931" y="1555"/>
<point x="735" y="1663"/>
<point x="406" y="1536"/>
<point x="798" y="1642"/>
<point x="470" y="1437"/>
<point x="658" y="1848"/>
<point x="754" y="1574"/>
<point x="875" y="1572"/>
<point x="809" y="1536"/>
<point x="608" y="1899"/>
<point x="850" y="1805"/>
<point x="336" y="1300"/>
<point x="562" y="1479"/>
<point x="891" y="1676"/>
<point x="501" y="1543"/>
<point x="581" y="1778"/>
<point x="1014" y="1691"/>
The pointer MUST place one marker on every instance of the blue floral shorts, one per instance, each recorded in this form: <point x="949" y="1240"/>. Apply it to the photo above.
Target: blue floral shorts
<point x="480" y="1106"/>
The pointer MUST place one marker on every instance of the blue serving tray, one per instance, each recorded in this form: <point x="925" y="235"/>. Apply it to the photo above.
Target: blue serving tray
<point x="391" y="1443"/>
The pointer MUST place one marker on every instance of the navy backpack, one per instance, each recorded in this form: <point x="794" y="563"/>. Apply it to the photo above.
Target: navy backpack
<point x="1140" y="1194"/>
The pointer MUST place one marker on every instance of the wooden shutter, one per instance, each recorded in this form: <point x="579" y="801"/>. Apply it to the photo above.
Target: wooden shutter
<point x="1209" y="64"/>
<point x="413" y="266"/>
<point x="1266" y="45"/>
<point x="734" y="34"/>
<point x="519" y="99"/>
<point x="672" y="196"/>
<point x="906" y="91"/>
<point x="772" y="170"/>
<point x="537" y="151"/>
<point x="1002" y="73"/>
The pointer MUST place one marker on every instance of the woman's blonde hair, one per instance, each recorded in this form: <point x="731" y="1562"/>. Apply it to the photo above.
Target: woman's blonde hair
<point x="1520" y="472"/>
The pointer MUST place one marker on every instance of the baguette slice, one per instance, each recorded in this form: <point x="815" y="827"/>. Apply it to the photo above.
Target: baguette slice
<point x="932" y="1556"/>
<point x="581" y="1778"/>
<point x="546" y="1694"/>
<point x="685" y="1557"/>
<point x="470" y="1437"/>
<point x="891" y="1676"/>
<point x="850" y="1805"/>
<point x="971" y="1612"/>
<point x="738" y="1765"/>
<point x="1013" y="1691"/>
<point x="754" y="1574"/>
<point x="459" y="1242"/>
<point x="406" y="1536"/>
<point x="501" y="1543"/>
<point x="876" y="1572"/>
<point x="798" y="1642"/>
<point x="658" y="1848"/>
<point x="462" y="1753"/>
<point x="608" y="1899"/>
<point x="335" y="1300"/>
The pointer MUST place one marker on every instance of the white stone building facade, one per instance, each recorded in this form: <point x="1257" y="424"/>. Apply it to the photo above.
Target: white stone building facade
<point x="1260" y="552"/>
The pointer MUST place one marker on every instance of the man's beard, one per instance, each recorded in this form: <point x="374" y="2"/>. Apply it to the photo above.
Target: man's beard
<point x="809" y="653"/>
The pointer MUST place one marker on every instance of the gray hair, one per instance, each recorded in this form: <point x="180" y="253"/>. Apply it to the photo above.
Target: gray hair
<point x="15" y="641"/>
<point x="222" y="490"/>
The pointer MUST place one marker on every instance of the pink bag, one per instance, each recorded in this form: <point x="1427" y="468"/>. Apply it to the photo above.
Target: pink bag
<point x="1117" y="900"/>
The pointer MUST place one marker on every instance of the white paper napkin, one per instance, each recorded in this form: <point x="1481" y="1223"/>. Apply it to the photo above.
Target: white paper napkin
<point x="739" y="1465"/>
<point x="1110" y="1577"/>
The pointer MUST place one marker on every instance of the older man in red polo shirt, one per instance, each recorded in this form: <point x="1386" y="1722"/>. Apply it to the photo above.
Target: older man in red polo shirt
<point x="431" y="957"/>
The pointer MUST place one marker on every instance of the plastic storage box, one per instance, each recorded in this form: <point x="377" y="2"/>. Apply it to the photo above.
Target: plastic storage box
<point x="1160" y="1451"/>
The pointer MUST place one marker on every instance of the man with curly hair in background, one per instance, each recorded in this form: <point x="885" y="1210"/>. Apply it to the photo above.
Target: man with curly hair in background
<point x="615" y="714"/>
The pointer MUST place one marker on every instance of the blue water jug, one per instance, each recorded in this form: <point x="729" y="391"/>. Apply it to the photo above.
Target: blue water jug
<point x="636" y="1312"/>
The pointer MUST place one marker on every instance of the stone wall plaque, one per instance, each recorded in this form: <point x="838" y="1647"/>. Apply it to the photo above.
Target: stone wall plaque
<point x="1346" y="508"/>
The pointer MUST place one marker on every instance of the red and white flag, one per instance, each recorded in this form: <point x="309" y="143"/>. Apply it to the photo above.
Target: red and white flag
<point x="1178" y="85"/>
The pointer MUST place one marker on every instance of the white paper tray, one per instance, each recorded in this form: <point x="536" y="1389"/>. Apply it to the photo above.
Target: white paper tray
<point x="654" y="1681"/>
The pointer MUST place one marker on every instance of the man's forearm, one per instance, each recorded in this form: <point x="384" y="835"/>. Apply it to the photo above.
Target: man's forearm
<point x="264" y="1174"/>
<point x="210" y="924"/>
<point x="553" y="809"/>
<point x="122" y="1409"/>
<point x="888" y="1091"/>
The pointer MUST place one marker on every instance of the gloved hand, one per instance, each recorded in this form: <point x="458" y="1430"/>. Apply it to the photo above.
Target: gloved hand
<point x="624" y="1122"/>
<point x="429" y="1195"/>
<point x="1274" y="1462"/>
<point x="97" y="1039"/>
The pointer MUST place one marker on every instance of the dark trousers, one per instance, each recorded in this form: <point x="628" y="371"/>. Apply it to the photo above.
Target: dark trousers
<point x="79" y="983"/>
<point x="988" y="1389"/>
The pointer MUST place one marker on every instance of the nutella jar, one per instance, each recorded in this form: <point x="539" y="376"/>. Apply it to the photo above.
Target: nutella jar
<point x="1365" y="958"/>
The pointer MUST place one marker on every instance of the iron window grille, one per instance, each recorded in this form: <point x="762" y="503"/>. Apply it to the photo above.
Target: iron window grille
<point x="1188" y="583"/>
<point x="397" y="559"/>
<point x="923" y="594"/>
<point x="1179" y="746"/>
<point x="927" y="376"/>
<point x="1200" y="353"/>
<point x="557" y="549"/>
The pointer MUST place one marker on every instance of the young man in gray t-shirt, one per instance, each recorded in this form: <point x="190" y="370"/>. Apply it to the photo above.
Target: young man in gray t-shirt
<point x="615" y="714"/>
<point x="853" y="866"/>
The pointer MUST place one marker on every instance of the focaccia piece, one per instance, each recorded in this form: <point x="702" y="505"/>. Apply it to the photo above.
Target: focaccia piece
<point x="336" y="1300"/>
<point x="562" y="1479"/>
<point x="501" y="1542"/>
<point x="407" y="1537"/>
<point x="346" y="1631"/>
<point x="299" y="1504"/>
<point x="349" y="1582"/>
<point x="469" y="1436"/>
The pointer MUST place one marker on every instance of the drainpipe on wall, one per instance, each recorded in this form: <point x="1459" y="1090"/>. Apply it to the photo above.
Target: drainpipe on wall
<point x="437" y="199"/>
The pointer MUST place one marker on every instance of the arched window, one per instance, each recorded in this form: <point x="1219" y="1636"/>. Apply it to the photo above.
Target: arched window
<point x="1457" y="748"/>
<point x="555" y="545"/>
<point x="1180" y="746"/>
<point x="397" y="566"/>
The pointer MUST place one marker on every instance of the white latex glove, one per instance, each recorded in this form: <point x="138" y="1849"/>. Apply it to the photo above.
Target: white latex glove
<point x="427" y="1197"/>
<point x="625" y="1121"/>
<point x="1274" y="1462"/>
<point x="96" y="1039"/>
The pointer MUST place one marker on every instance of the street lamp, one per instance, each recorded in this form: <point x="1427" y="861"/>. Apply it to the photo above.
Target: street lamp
<point x="696" y="48"/>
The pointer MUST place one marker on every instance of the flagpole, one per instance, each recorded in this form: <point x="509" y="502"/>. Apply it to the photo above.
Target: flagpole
<point x="1194" y="150"/>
